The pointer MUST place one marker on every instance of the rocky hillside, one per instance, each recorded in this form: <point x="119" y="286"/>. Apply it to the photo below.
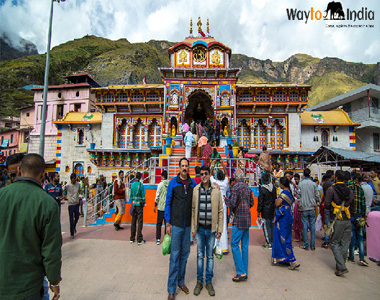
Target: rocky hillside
<point x="9" y="51"/>
<point x="122" y="62"/>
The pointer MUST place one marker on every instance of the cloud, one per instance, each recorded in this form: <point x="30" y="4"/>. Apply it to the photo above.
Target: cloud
<point x="257" y="28"/>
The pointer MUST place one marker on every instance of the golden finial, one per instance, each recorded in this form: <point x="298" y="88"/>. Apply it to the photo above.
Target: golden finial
<point x="208" y="28"/>
<point x="199" y="24"/>
<point x="191" y="26"/>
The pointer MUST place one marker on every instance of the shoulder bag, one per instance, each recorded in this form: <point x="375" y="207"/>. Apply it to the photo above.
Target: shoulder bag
<point x="329" y="229"/>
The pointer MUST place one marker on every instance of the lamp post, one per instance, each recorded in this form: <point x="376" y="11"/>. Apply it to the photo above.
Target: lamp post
<point x="46" y="83"/>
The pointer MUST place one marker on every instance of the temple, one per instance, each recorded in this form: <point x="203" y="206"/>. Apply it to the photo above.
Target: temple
<point x="199" y="85"/>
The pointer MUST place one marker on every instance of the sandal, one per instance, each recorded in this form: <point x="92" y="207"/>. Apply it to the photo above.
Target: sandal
<point x="238" y="278"/>
<point x="294" y="266"/>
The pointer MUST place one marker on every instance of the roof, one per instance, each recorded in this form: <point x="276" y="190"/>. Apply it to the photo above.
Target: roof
<point x="272" y="85"/>
<point x="340" y="157"/>
<point x="65" y="86"/>
<point x="374" y="91"/>
<point x="131" y="87"/>
<point x="80" y="117"/>
<point x="207" y="41"/>
<point x="92" y="82"/>
<point x="333" y="117"/>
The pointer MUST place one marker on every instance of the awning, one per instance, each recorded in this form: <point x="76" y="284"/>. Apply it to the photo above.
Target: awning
<point x="340" y="157"/>
<point x="5" y="144"/>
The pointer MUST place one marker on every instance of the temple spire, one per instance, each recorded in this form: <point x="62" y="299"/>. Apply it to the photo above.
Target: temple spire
<point x="200" y="32"/>
<point x="208" y="28"/>
<point x="191" y="26"/>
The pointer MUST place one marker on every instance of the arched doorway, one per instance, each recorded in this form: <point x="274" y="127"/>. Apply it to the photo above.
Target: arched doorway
<point x="199" y="108"/>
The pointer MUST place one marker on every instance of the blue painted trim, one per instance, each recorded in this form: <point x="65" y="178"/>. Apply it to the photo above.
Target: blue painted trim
<point x="352" y="144"/>
<point x="58" y="169"/>
<point x="351" y="128"/>
<point x="151" y="186"/>
<point x="199" y="43"/>
<point x="58" y="154"/>
<point x="59" y="141"/>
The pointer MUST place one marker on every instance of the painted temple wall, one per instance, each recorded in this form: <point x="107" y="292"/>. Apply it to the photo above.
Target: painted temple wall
<point x="294" y="131"/>
<point x="107" y="131"/>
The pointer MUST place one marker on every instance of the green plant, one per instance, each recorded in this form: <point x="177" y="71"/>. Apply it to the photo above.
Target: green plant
<point x="235" y="144"/>
<point x="229" y="132"/>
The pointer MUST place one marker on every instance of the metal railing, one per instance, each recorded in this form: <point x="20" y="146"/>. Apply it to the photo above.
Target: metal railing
<point x="96" y="206"/>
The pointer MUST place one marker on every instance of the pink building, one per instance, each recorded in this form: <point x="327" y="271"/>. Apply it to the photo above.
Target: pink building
<point x="9" y="141"/>
<point x="74" y="95"/>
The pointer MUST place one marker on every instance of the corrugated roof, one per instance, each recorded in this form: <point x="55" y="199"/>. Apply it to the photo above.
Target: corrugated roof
<point x="333" y="117"/>
<point x="80" y="117"/>
<point x="64" y="86"/>
<point x="131" y="87"/>
<point x="272" y="85"/>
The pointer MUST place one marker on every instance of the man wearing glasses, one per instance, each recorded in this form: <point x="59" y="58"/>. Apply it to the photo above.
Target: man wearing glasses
<point x="178" y="219"/>
<point x="206" y="225"/>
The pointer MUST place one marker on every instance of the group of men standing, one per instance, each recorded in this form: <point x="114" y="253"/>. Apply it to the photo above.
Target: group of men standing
<point x="198" y="209"/>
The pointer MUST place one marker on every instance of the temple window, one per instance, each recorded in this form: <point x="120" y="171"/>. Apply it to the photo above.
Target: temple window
<point x="154" y="134"/>
<point x="152" y="97"/>
<point x="325" y="137"/>
<point x="262" y="96"/>
<point x="293" y="96"/>
<point x="122" y="97"/>
<point x="139" y="135"/>
<point x="78" y="169"/>
<point x="80" y="136"/>
<point x="303" y="96"/>
<point x="279" y="97"/>
<point x="108" y="97"/>
<point x="89" y="170"/>
<point x="137" y="97"/>
<point x="123" y="135"/>
<point x="225" y="100"/>
<point x="99" y="97"/>
<point x="260" y="135"/>
<point x="244" y="135"/>
<point x="277" y="136"/>
<point x="174" y="99"/>
<point x="246" y="97"/>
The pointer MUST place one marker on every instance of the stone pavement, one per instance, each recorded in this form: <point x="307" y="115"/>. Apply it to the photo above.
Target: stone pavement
<point x="100" y="263"/>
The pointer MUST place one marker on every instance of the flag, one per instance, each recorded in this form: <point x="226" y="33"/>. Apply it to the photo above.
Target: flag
<point x="202" y="33"/>
<point x="144" y="79"/>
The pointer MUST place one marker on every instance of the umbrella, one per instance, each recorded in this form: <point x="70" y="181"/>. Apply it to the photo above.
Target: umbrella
<point x="202" y="141"/>
<point x="185" y="127"/>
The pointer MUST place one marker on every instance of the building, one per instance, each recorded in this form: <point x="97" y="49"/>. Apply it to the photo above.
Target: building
<point x="26" y="126"/>
<point x="75" y="95"/>
<point x="362" y="106"/>
<point x="9" y="135"/>
<point x="76" y="132"/>
<point x="199" y="85"/>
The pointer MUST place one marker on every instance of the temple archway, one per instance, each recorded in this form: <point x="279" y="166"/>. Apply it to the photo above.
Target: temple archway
<point x="199" y="108"/>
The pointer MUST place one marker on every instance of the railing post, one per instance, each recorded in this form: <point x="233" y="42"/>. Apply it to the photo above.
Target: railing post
<point x="85" y="206"/>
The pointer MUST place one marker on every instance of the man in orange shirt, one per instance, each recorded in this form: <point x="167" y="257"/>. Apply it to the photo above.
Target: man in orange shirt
<point x="119" y="197"/>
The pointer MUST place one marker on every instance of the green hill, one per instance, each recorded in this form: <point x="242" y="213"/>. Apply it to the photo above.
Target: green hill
<point x="121" y="62"/>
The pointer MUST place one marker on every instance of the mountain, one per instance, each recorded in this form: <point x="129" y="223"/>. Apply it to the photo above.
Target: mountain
<point x="9" y="51"/>
<point x="122" y="62"/>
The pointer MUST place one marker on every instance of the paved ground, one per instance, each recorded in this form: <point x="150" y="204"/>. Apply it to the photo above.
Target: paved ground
<point x="100" y="263"/>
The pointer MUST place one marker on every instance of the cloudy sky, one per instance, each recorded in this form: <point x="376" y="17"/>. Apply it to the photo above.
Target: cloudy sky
<point x="257" y="28"/>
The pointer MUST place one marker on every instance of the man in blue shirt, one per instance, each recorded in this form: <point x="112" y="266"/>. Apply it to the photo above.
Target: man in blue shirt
<point x="54" y="189"/>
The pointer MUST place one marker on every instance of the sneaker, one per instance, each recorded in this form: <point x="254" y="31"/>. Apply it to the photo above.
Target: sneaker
<point x="131" y="241"/>
<point x="364" y="263"/>
<point x="141" y="242"/>
<point x="71" y="236"/>
<point x="198" y="288"/>
<point x="121" y="228"/>
<point x="158" y="242"/>
<point x="270" y="247"/>
<point x="325" y="245"/>
<point x="356" y="252"/>
<point x="265" y="246"/>
<point x="210" y="289"/>
<point x="116" y="227"/>
<point x="351" y="260"/>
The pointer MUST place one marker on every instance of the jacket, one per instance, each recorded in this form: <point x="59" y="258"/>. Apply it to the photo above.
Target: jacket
<point x="189" y="139"/>
<point x="178" y="202"/>
<point x="118" y="189"/>
<point x="138" y="193"/>
<point x="338" y="193"/>
<point x="308" y="194"/>
<point x="217" y="212"/>
<point x="31" y="239"/>
<point x="160" y="199"/>
<point x="267" y="197"/>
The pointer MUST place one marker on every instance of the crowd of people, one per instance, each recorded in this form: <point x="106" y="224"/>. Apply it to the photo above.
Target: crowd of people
<point x="191" y="209"/>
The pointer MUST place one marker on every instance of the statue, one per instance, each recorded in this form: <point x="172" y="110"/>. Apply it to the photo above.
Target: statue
<point x="173" y="130"/>
<point x="225" y="131"/>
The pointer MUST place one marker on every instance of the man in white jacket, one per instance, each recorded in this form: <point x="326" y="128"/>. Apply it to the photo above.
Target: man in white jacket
<point x="188" y="143"/>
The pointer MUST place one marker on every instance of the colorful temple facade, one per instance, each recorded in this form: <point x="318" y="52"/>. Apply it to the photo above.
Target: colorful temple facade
<point x="200" y="85"/>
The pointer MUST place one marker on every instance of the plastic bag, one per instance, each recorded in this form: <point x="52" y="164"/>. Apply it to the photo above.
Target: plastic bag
<point x="260" y="222"/>
<point x="218" y="251"/>
<point x="318" y="223"/>
<point x="166" y="244"/>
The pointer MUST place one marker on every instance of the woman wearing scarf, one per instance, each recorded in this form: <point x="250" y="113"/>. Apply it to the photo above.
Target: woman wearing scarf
<point x="282" y="250"/>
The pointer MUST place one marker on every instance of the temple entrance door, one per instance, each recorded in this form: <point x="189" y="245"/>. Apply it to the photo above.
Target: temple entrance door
<point x="139" y="135"/>
<point x="199" y="108"/>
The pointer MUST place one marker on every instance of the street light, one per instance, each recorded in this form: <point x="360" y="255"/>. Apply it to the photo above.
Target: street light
<point x="46" y="83"/>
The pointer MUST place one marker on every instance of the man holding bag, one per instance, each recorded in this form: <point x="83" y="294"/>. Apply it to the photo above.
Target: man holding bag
<point x="339" y="201"/>
<point x="207" y="221"/>
<point x="138" y="200"/>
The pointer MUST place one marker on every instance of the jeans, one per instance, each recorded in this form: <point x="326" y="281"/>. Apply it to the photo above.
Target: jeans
<point x="240" y="258"/>
<point x="308" y="220"/>
<point x="46" y="289"/>
<point x="188" y="151"/>
<point x="179" y="253"/>
<point x="356" y="238"/>
<point x="160" y="218"/>
<point x="73" y="217"/>
<point x="137" y="215"/>
<point x="268" y="228"/>
<point x="205" y="241"/>
<point x="327" y="222"/>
